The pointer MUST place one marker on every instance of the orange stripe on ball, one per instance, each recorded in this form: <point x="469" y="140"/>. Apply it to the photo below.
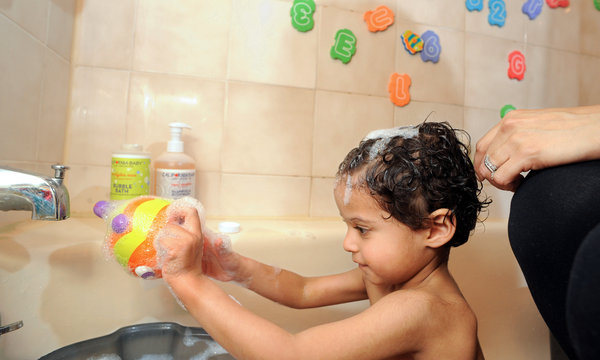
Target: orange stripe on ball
<point x="145" y="253"/>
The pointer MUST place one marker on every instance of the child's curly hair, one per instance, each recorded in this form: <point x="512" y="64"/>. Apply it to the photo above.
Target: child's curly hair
<point x="415" y="173"/>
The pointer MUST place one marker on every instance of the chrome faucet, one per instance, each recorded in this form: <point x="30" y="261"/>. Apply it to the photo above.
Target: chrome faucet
<point x="46" y="197"/>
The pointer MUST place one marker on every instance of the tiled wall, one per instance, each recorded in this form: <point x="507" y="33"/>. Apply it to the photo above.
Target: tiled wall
<point x="272" y="113"/>
<point x="35" y="57"/>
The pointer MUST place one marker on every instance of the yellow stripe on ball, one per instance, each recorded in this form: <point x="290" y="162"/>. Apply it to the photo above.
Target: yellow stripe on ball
<point x="140" y="224"/>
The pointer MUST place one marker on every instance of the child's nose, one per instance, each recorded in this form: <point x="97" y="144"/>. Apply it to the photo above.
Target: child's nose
<point x="350" y="244"/>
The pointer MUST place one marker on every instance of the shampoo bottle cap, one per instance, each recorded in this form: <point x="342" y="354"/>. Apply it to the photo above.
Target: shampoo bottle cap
<point x="175" y="144"/>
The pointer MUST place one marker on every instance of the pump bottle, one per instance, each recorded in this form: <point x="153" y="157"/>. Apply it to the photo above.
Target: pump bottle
<point x="175" y="171"/>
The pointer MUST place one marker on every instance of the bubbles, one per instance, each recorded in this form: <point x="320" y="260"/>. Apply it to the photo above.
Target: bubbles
<point x="406" y="132"/>
<point x="378" y="147"/>
<point x="188" y="202"/>
<point x="348" y="190"/>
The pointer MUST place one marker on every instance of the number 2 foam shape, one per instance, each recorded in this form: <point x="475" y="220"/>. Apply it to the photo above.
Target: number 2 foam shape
<point x="398" y="89"/>
<point x="497" y="12"/>
<point x="344" y="47"/>
<point x="302" y="15"/>
<point x="379" y="19"/>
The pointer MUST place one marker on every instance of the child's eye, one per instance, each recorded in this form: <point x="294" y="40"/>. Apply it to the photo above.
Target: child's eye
<point x="361" y="229"/>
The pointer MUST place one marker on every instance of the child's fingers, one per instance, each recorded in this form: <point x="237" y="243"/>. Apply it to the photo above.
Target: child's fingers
<point x="187" y="217"/>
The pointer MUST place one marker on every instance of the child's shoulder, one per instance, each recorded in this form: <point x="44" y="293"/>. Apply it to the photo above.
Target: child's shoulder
<point x="421" y="302"/>
<point x="434" y="321"/>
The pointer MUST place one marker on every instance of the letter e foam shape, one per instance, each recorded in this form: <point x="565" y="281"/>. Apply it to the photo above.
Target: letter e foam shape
<point x="398" y="89"/>
<point x="379" y="19"/>
<point x="344" y="47"/>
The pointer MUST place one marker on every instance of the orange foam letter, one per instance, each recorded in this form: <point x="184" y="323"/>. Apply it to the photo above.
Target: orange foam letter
<point x="379" y="19"/>
<point x="398" y="89"/>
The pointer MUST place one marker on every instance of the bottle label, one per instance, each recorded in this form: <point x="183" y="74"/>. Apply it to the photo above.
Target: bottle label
<point x="129" y="177"/>
<point x="175" y="183"/>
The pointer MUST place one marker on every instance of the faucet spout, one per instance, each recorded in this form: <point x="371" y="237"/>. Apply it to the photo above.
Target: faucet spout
<point x="46" y="197"/>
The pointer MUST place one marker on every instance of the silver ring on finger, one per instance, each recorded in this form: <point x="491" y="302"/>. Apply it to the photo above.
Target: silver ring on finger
<point x="489" y="165"/>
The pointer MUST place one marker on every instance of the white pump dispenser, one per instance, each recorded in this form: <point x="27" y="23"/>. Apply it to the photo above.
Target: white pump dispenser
<point x="176" y="144"/>
<point x="175" y="171"/>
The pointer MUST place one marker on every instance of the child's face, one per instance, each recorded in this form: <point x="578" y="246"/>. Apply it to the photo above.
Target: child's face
<point x="387" y="251"/>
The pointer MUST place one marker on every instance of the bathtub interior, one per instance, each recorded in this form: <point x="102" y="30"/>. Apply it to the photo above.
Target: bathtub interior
<point x="55" y="277"/>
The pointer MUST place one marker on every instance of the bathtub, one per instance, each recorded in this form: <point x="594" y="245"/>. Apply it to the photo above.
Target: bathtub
<point x="54" y="277"/>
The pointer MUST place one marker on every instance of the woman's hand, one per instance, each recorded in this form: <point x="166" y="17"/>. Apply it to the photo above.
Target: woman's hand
<point x="181" y="244"/>
<point x="535" y="139"/>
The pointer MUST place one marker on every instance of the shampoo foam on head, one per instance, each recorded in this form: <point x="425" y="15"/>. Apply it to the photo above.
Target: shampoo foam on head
<point x="175" y="171"/>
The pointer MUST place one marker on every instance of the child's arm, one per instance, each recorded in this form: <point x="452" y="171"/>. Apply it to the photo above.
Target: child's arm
<point x="280" y="285"/>
<point x="386" y="329"/>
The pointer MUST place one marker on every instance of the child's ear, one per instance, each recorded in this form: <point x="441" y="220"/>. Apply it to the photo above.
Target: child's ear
<point x="443" y="226"/>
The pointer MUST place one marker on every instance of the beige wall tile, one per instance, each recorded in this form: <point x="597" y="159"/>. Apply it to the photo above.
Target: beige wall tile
<point x="589" y="76"/>
<point x="589" y="29"/>
<point x="360" y="6"/>
<point x="188" y="38"/>
<point x="97" y="115"/>
<point x="556" y="28"/>
<point x="486" y="73"/>
<point x="87" y="184"/>
<point x="21" y="71"/>
<point x="104" y="33"/>
<point x="54" y="102"/>
<point x="552" y="76"/>
<point x="265" y="48"/>
<point x="341" y="121"/>
<point x="208" y="191"/>
<point x="32" y="15"/>
<point x="417" y="112"/>
<point x="256" y="195"/>
<point x="60" y="26"/>
<point x="155" y="100"/>
<point x="441" y="13"/>
<point x="369" y="70"/>
<point x="442" y="82"/>
<point x="268" y="130"/>
<point x="322" y="202"/>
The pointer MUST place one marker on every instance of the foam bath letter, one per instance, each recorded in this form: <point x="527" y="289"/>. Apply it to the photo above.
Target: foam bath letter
<point x="379" y="19"/>
<point x="344" y="47"/>
<point x="497" y="12"/>
<point x="516" y="65"/>
<point x="558" y="3"/>
<point x="597" y="4"/>
<point x="474" y="5"/>
<point x="412" y="42"/>
<point x="398" y="89"/>
<point x="431" y="47"/>
<point x="532" y="8"/>
<point x="506" y="109"/>
<point x="302" y="15"/>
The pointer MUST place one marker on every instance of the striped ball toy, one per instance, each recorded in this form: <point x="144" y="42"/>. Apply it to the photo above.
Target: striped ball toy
<point x="133" y="227"/>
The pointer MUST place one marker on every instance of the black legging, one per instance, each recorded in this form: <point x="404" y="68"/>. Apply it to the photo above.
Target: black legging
<point x="554" y="231"/>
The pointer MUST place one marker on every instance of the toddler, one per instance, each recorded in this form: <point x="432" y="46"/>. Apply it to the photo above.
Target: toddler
<point x="407" y="195"/>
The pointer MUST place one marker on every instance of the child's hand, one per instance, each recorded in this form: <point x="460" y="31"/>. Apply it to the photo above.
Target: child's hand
<point x="181" y="244"/>
<point x="219" y="261"/>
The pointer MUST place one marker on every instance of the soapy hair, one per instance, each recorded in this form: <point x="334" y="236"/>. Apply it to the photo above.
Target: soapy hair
<point x="414" y="171"/>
